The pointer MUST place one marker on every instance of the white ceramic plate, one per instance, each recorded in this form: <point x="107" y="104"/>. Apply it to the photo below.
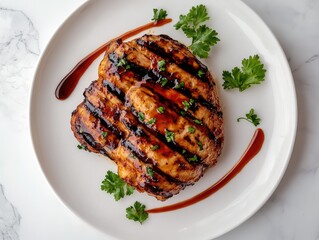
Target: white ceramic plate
<point x="76" y="175"/>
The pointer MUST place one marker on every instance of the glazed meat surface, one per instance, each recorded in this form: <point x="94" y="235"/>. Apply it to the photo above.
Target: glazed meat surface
<point x="155" y="111"/>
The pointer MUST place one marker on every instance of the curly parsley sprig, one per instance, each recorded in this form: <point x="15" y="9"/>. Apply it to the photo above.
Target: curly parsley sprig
<point x="251" y="72"/>
<point x="137" y="212"/>
<point x="113" y="184"/>
<point x="203" y="37"/>
<point x="251" y="117"/>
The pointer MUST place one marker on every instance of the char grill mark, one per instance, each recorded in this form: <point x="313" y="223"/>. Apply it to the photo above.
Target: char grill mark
<point x="175" y="97"/>
<point x="133" y="130"/>
<point x="174" y="52"/>
<point x="124" y="102"/>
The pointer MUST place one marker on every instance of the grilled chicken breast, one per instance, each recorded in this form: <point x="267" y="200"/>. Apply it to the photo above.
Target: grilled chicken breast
<point x="155" y="111"/>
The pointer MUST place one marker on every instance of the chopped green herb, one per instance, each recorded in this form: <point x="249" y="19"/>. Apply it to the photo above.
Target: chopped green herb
<point x="141" y="116"/>
<point x="191" y="130"/>
<point x="161" y="109"/>
<point x="104" y="134"/>
<point x="200" y="145"/>
<point x="251" y="117"/>
<point x="193" y="159"/>
<point x="159" y="14"/>
<point x="203" y="37"/>
<point x="198" y="121"/>
<point x="113" y="184"/>
<point x="150" y="171"/>
<point x="169" y="136"/>
<point x="183" y="113"/>
<point x="137" y="212"/>
<point x="152" y="121"/>
<point x="81" y="147"/>
<point x="188" y="105"/>
<point x="251" y="72"/>
<point x="163" y="81"/>
<point x="155" y="147"/>
<point x="200" y="73"/>
<point x="123" y="63"/>
<point x="161" y="65"/>
<point x="179" y="85"/>
<point x="133" y="156"/>
<point x="183" y="151"/>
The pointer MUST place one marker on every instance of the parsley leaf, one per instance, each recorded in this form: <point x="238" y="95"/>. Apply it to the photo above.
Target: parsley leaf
<point x="200" y="145"/>
<point x="81" y="147"/>
<point x="179" y="85"/>
<point x="163" y="81"/>
<point x="251" y="117"/>
<point x="137" y="212"/>
<point x="200" y="73"/>
<point x="159" y="14"/>
<point x="169" y="136"/>
<point x="152" y="121"/>
<point x="123" y="63"/>
<point x="251" y="72"/>
<point x="203" y="40"/>
<point x="141" y="116"/>
<point x="104" y="134"/>
<point x="193" y="159"/>
<point x="198" y="121"/>
<point x="203" y="37"/>
<point x="161" y="65"/>
<point x="191" y="130"/>
<point x="113" y="184"/>
<point x="188" y="105"/>
<point x="161" y="109"/>
<point x="196" y="16"/>
<point x="150" y="171"/>
<point x="155" y="147"/>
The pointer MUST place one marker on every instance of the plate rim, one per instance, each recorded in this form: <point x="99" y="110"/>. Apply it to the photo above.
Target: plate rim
<point x="294" y="121"/>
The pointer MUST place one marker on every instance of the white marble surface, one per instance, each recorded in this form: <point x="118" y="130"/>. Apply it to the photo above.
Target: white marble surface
<point x="28" y="208"/>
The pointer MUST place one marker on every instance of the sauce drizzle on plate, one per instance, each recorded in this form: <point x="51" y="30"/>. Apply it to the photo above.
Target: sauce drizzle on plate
<point x="69" y="82"/>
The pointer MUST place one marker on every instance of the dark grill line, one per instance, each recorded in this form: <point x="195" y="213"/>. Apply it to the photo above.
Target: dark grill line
<point x="153" y="47"/>
<point x="141" y="156"/>
<point x="88" y="139"/>
<point x="98" y="114"/>
<point x="136" y="130"/>
<point x="155" y="76"/>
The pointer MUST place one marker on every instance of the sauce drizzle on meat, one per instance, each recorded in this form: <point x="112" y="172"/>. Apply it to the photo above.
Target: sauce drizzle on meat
<point x="69" y="82"/>
<point x="252" y="150"/>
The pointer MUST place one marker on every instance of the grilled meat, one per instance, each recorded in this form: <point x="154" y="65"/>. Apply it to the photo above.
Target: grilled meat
<point x="154" y="106"/>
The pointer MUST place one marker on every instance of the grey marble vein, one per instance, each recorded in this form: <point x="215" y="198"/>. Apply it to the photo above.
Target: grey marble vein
<point x="9" y="219"/>
<point x="19" y="50"/>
